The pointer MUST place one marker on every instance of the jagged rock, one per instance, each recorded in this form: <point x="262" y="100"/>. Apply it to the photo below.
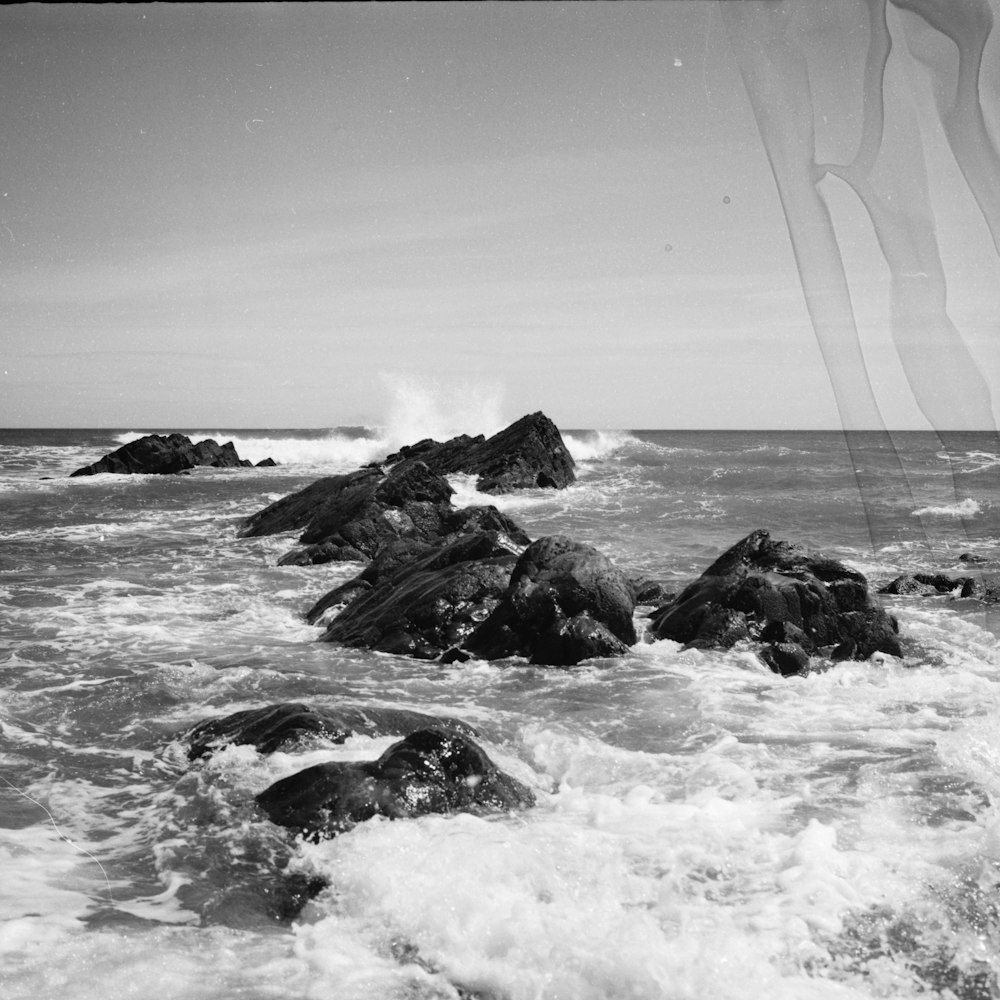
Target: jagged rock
<point x="529" y="453"/>
<point x="565" y="603"/>
<point x="425" y="598"/>
<point x="284" y="725"/>
<point x="431" y="771"/>
<point x="928" y="584"/>
<point x="266" y="463"/>
<point x="156" y="454"/>
<point x="355" y="516"/>
<point x="776" y="592"/>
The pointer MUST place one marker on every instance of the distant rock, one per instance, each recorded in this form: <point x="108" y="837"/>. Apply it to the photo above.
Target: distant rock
<point x="430" y="771"/>
<point x="775" y="593"/>
<point x="530" y="453"/>
<point x="565" y="603"/>
<point x="156" y="454"/>
<point x="285" y="725"/>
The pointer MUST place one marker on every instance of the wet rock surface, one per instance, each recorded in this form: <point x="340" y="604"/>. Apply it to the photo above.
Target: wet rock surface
<point x="781" y="596"/>
<point x="529" y="453"/>
<point x="285" y="725"/>
<point x="565" y="603"/>
<point x="158" y="454"/>
<point x="430" y="771"/>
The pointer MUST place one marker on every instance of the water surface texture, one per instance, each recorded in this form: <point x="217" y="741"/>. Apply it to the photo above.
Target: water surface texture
<point x="704" y="828"/>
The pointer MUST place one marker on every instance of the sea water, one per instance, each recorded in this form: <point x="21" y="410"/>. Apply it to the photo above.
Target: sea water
<point x="704" y="828"/>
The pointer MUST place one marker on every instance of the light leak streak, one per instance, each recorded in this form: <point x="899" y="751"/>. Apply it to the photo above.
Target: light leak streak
<point x="771" y="43"/>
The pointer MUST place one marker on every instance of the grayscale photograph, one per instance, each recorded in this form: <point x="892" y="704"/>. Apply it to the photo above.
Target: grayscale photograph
<point x="500" y="500"/>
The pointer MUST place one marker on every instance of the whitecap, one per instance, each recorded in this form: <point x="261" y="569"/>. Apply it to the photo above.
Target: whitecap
<point x="967" y="508"/>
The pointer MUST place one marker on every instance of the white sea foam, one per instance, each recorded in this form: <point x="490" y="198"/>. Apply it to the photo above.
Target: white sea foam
<point x="596" y="445"/>
<point x="967" y="508"/>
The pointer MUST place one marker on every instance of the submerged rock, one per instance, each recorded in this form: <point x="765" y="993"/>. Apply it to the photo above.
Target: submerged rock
<point x="778" y="594"/>
<point x="565" y="603"/>
<point x="284" y="725"/>
<point x="156" y="454"/>
<point x="430" y="771"/>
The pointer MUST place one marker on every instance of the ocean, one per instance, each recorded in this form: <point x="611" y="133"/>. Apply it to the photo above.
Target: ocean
<point x="704" y="828"/>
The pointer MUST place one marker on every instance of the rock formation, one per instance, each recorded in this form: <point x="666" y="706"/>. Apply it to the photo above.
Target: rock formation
<point x="565" y="603"/>
<point x="796" y="604"/>
<point x="430" y="771"/>
<point x="157" y="454"/>
<point x="285" y="725"/>
<point x="529" y="453"/>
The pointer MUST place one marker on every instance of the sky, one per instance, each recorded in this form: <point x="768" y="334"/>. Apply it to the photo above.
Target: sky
<point x="257" y="215"/>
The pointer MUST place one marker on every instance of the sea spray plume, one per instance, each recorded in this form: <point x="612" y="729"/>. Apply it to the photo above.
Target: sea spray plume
<point x="422" y="407"/>
<point x="887" y="174"/>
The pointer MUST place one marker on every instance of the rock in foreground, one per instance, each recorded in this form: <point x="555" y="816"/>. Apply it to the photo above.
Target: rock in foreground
<point x="796" y="604"/>
<point x="157" y="454"/>
<point x="431" y="771"/>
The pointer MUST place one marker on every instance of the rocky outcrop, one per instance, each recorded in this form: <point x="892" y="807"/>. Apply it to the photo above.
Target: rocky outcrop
<point x="430" y="771"/>
<point x="927" y="584"/>
<point x="156" y="454"/>
<point x="287" y="725"/>
<point x="355" y="515"/>
<point x="529" y="453"/>
<point x="420" y="603"/>
<point x="565" y="603"/>
<point x="795" y="604"/>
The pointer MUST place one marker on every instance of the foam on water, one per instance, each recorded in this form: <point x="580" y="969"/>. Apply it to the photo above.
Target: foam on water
<point x="966" y="508"/>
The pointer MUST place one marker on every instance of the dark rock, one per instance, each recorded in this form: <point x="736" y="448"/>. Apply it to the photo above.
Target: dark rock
<point x="338" y="597"/>
<point x="648" y="591"/>
<point x="365" y="510"/>
<point x="344" y="493"/>
<point x="285" y="725"/>
<point x="786" y="658"/>
<point x="971" y="557"/>
<point x="529" y="453"/>
<point x="156" y="454"/>
<point x="431" y="771"/>
<point x="266" y="463"/>
<point x="565" y="603"/>
<point x="442" y="457"/>
<point x="426" y="601"/>
<point x="930" y="584"/>
<point x="325" y="552"/>
<point x="777" y="592"/>
<point x="390" y="519"/>
<point x="923" y="584"/>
